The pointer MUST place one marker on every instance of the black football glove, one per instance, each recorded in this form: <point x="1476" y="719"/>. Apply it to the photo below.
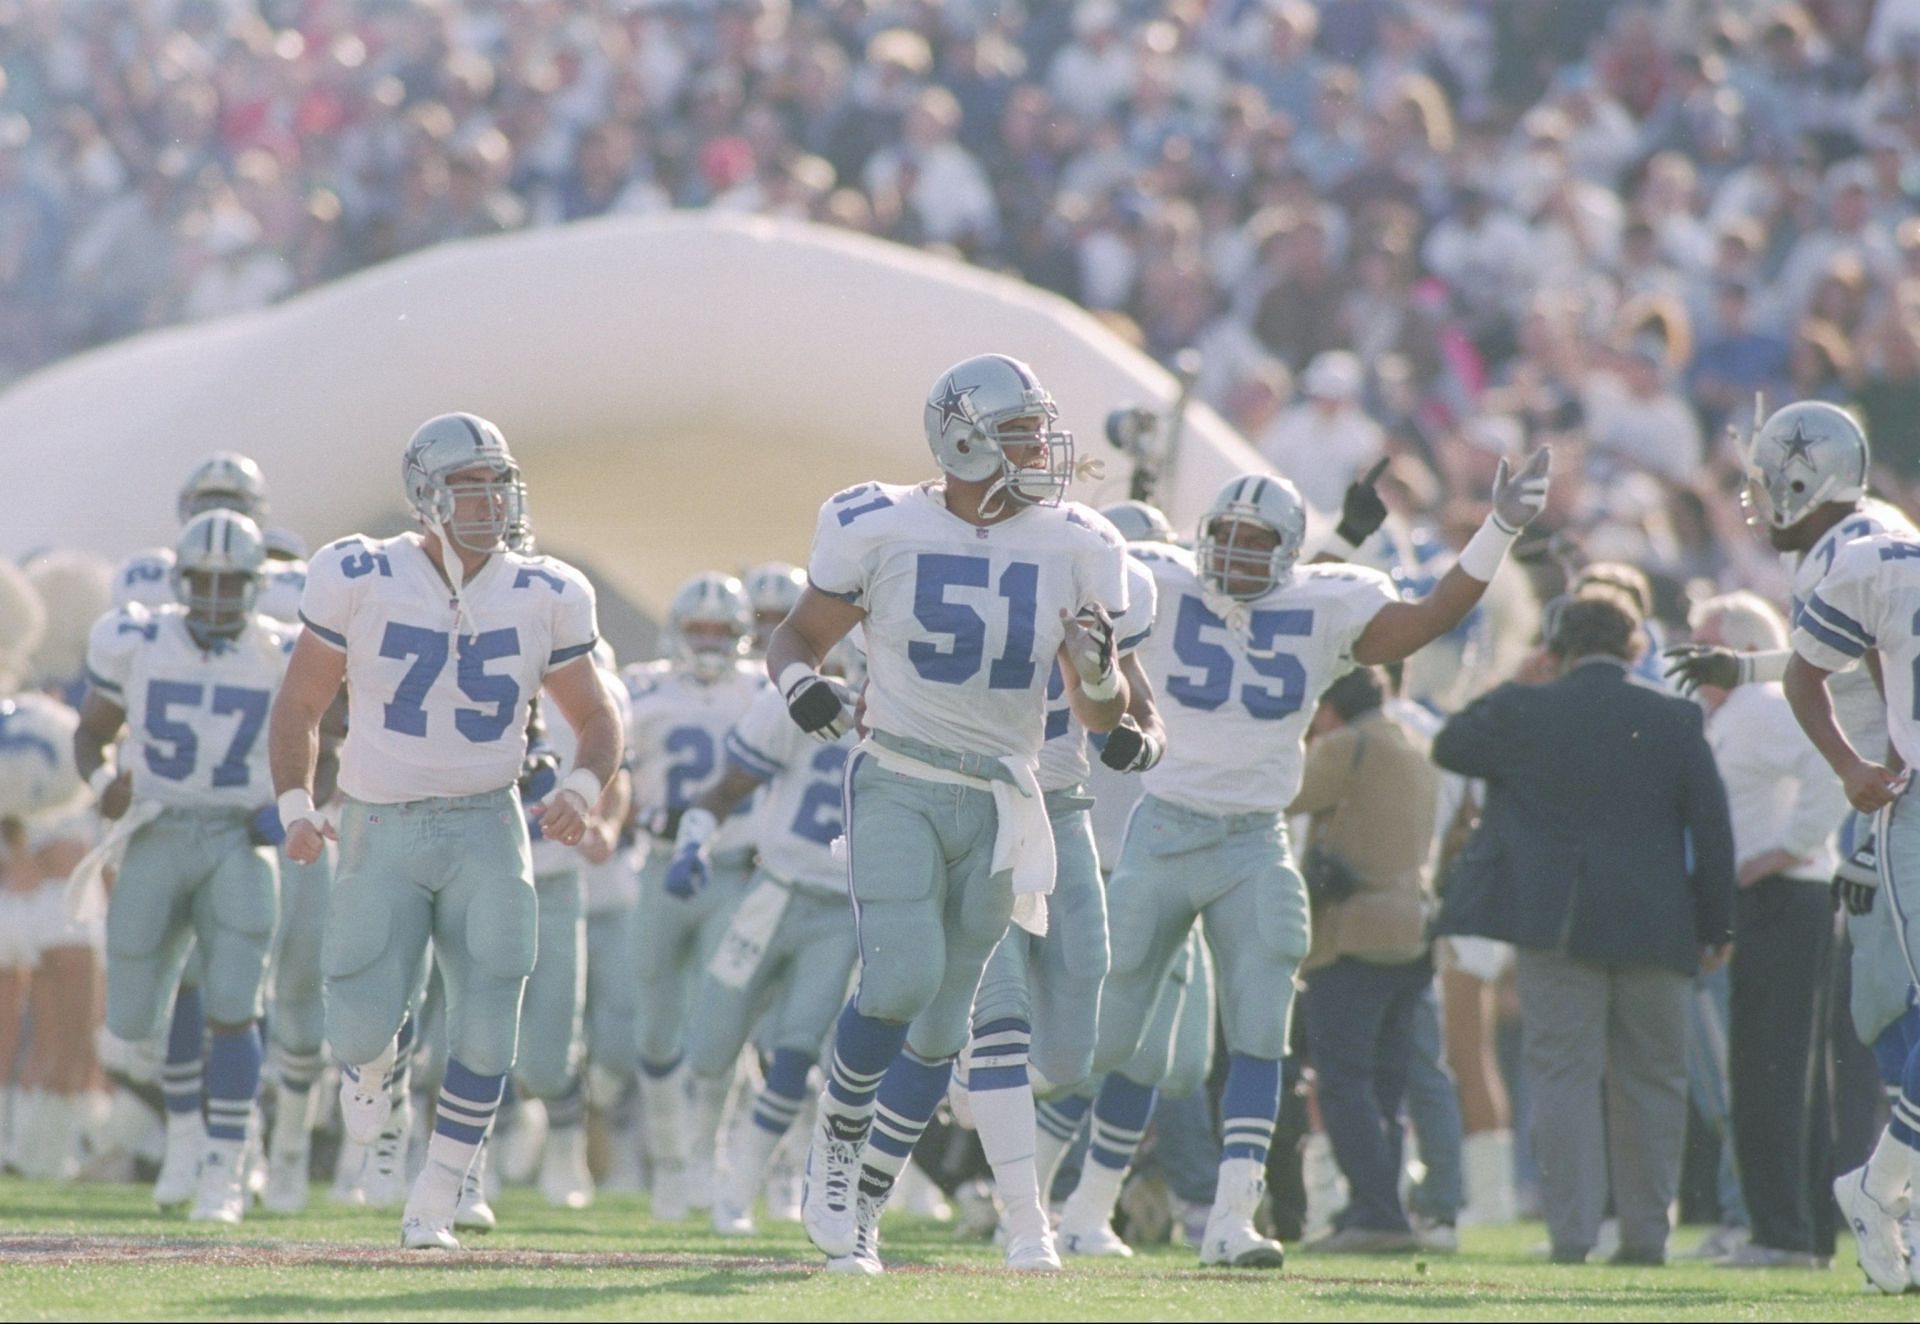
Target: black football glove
<point x="816" y="707"/>
<point x="1129" y="749"/>
<point x="1857" y="897"/>
<point x="1692" y="665"/>
<point x="1362" y="512"/>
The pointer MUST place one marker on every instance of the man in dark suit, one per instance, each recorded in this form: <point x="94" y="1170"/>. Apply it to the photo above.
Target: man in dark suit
<point x="1605" y="855"/>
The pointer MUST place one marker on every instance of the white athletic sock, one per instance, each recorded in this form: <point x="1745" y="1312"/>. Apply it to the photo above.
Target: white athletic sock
<point x="1889" y="1170"/>
<point x="1093" y="1200"/>
<point x="663" y="1116"/>
<point x="1004" y="1119"/>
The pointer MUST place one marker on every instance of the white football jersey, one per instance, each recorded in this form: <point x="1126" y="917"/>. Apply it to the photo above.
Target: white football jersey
<point x="798" y="812"/>
<point x="963" y="623"/>
<point x="677" y="739"/>
<point x="146" y="578"/>
<point x="282" y="583"/>
<point x="1857" y="705"/>
<point x="1237" y="705"/>
<point x="1870" y="599"/>
<point x="432" y="712"/>
<point x="196" y="719"/>
<point x="551" y="856"/>
<point x="1063" y="758"/>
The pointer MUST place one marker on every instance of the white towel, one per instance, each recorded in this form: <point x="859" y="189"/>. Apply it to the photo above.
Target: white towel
<point x="86" y="894"/>
<point x="745" y="945"/>
<point x="1023" y="835"/>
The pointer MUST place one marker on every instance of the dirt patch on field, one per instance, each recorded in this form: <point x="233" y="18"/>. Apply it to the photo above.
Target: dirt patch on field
<point x="296" y="1254"/>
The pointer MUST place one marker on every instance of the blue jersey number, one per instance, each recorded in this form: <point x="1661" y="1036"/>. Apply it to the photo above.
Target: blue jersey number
<point x="691" y="748"/>
<point x="172" y="746"/>
<point x="938" y="572"/>
<point x="364" y="561"/>
<point x="1060" y="718"/>
<point x="880" y="502"/>
<point x="818" y="819"/>
<point x="531" y="575"/>
<point x="407" y="711"/>
<point x="1213" y="685"/>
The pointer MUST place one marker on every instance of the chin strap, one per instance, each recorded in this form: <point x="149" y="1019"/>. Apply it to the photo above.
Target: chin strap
<point x="456" y="572"/>
<point x="1235" y="613"/>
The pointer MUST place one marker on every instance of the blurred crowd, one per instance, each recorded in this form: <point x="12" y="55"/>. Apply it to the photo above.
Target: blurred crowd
<point x="1606" y="223"/>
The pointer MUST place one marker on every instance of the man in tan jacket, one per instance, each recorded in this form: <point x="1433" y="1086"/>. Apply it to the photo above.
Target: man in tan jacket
<point x="1371" y="793"/>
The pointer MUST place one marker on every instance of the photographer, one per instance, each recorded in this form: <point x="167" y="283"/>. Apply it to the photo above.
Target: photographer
<point x="1371" y="792"/>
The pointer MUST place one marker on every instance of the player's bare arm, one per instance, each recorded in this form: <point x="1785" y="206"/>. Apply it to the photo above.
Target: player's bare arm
<point x="100" y="722"/>
<point x="1401" y="629"/>
<point x="1870" y="786"/>
<point x="794" y="654"/>
<point x="576" y="690"/>
<point x="313" y="679"/>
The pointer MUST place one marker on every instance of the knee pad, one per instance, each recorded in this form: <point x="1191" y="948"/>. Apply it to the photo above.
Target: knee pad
<point x="502" y="928"/>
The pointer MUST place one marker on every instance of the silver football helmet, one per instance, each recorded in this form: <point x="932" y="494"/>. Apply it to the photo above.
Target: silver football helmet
<point x="718" y="606"/>
<point x="1226" y="562"/>
<point x="979" y="408"/>
<point x="773" y="589"/>
<point x="225" y="480"/>
<point x="283" y="545"/>
<point x="1139" y="521"/>
<point x="37" y="773"/>
<point x="146" y="578"/>
<point x="218" y="566"/>
<point x="450" y="444"/>
<point x="1805" y="456"/>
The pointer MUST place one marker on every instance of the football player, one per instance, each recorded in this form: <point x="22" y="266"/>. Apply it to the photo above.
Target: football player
<point x="772" y="588"/>
<point x="1040" y="996"/>
<point x="678" y="737"/>
<point x="788" y="948"/>
<point x="554" y="1049"/>
<point x="442" y="636"/>
<point x="1245" y="643"/>
<point x="194" y="681"/>
<point x="968" y="587"/>
<point x="1807" y="484"/>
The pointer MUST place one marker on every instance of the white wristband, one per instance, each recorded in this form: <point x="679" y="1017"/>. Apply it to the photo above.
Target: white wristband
<point x="297" y="806"/>
<point x="696" y="825"/>
<point x="103" y="777"/>
<point x="1484" y="552"/>
<point x="1104" y="688"/>
<point x="584" y="784"/>
<point x="796" y="675"/>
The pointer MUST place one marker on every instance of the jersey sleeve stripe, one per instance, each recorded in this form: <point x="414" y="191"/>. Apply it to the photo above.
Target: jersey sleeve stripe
<point x="568" y="654"/>
<point x="1838" y="620"/>
<point x="331" y="637"/>
<point x="750" y="759"/>
<point x="100" y="682"/>
<point x="1839" y="643"/>
<point x="848" y="597"/>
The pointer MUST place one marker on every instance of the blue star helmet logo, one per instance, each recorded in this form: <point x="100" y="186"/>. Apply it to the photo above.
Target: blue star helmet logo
<point x="953" y="403"/>
<point x="1799" y="446"/>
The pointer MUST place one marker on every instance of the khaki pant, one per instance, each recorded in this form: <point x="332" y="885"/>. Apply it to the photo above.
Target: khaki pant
<point x="1586" y="1025"/>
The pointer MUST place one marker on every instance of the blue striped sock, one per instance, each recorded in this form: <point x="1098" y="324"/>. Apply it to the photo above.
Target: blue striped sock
<point x="785" y="1093"/>
<point x="1120" y="1117"/>
<point x="905" y="1104"/>
<point x="181" y="1077"/>
<point x="997" y="1057"/>
<point x="1249" y="1106"/>
<point x="569" y="1109"/>
<point x="233" y="1080"/>
<point x="863" y="1049"/>
<point x="1061" y="1117"/>
<point x="467" y="1104"/>
<point x="1904" y="1124"/>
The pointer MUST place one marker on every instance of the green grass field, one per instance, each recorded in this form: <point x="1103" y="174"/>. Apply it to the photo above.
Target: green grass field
<point x="96" y="1252"/>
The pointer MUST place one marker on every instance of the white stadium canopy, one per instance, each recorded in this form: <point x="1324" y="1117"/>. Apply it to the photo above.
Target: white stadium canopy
<point x="682" y="392"/>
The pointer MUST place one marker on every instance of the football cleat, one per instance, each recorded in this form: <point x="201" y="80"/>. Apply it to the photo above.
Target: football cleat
<point x="364" y="1102"/>
<point x="564" y="1178"/>
<point x="1094" y="1242"/>
<point x="1030" y="1253"/>
<point x="420" y="1233"/>
<point x="383" y="1176"/>
<point x="828" y="1193"/>
<point x="1877" y="1234"/>
<point x="1235" y="1244"/>
<point x="864" y="1258"/>
<point x="474" y="1214"/>
<point x="223" y="1187"/>
<point x="730" y="1220"/>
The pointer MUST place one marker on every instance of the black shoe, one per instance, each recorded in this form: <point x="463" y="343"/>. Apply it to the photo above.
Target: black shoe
<point x="1639" y="1257"/>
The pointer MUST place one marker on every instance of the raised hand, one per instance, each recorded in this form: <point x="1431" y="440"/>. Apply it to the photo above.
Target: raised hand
<point x="1519" y="498"/>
